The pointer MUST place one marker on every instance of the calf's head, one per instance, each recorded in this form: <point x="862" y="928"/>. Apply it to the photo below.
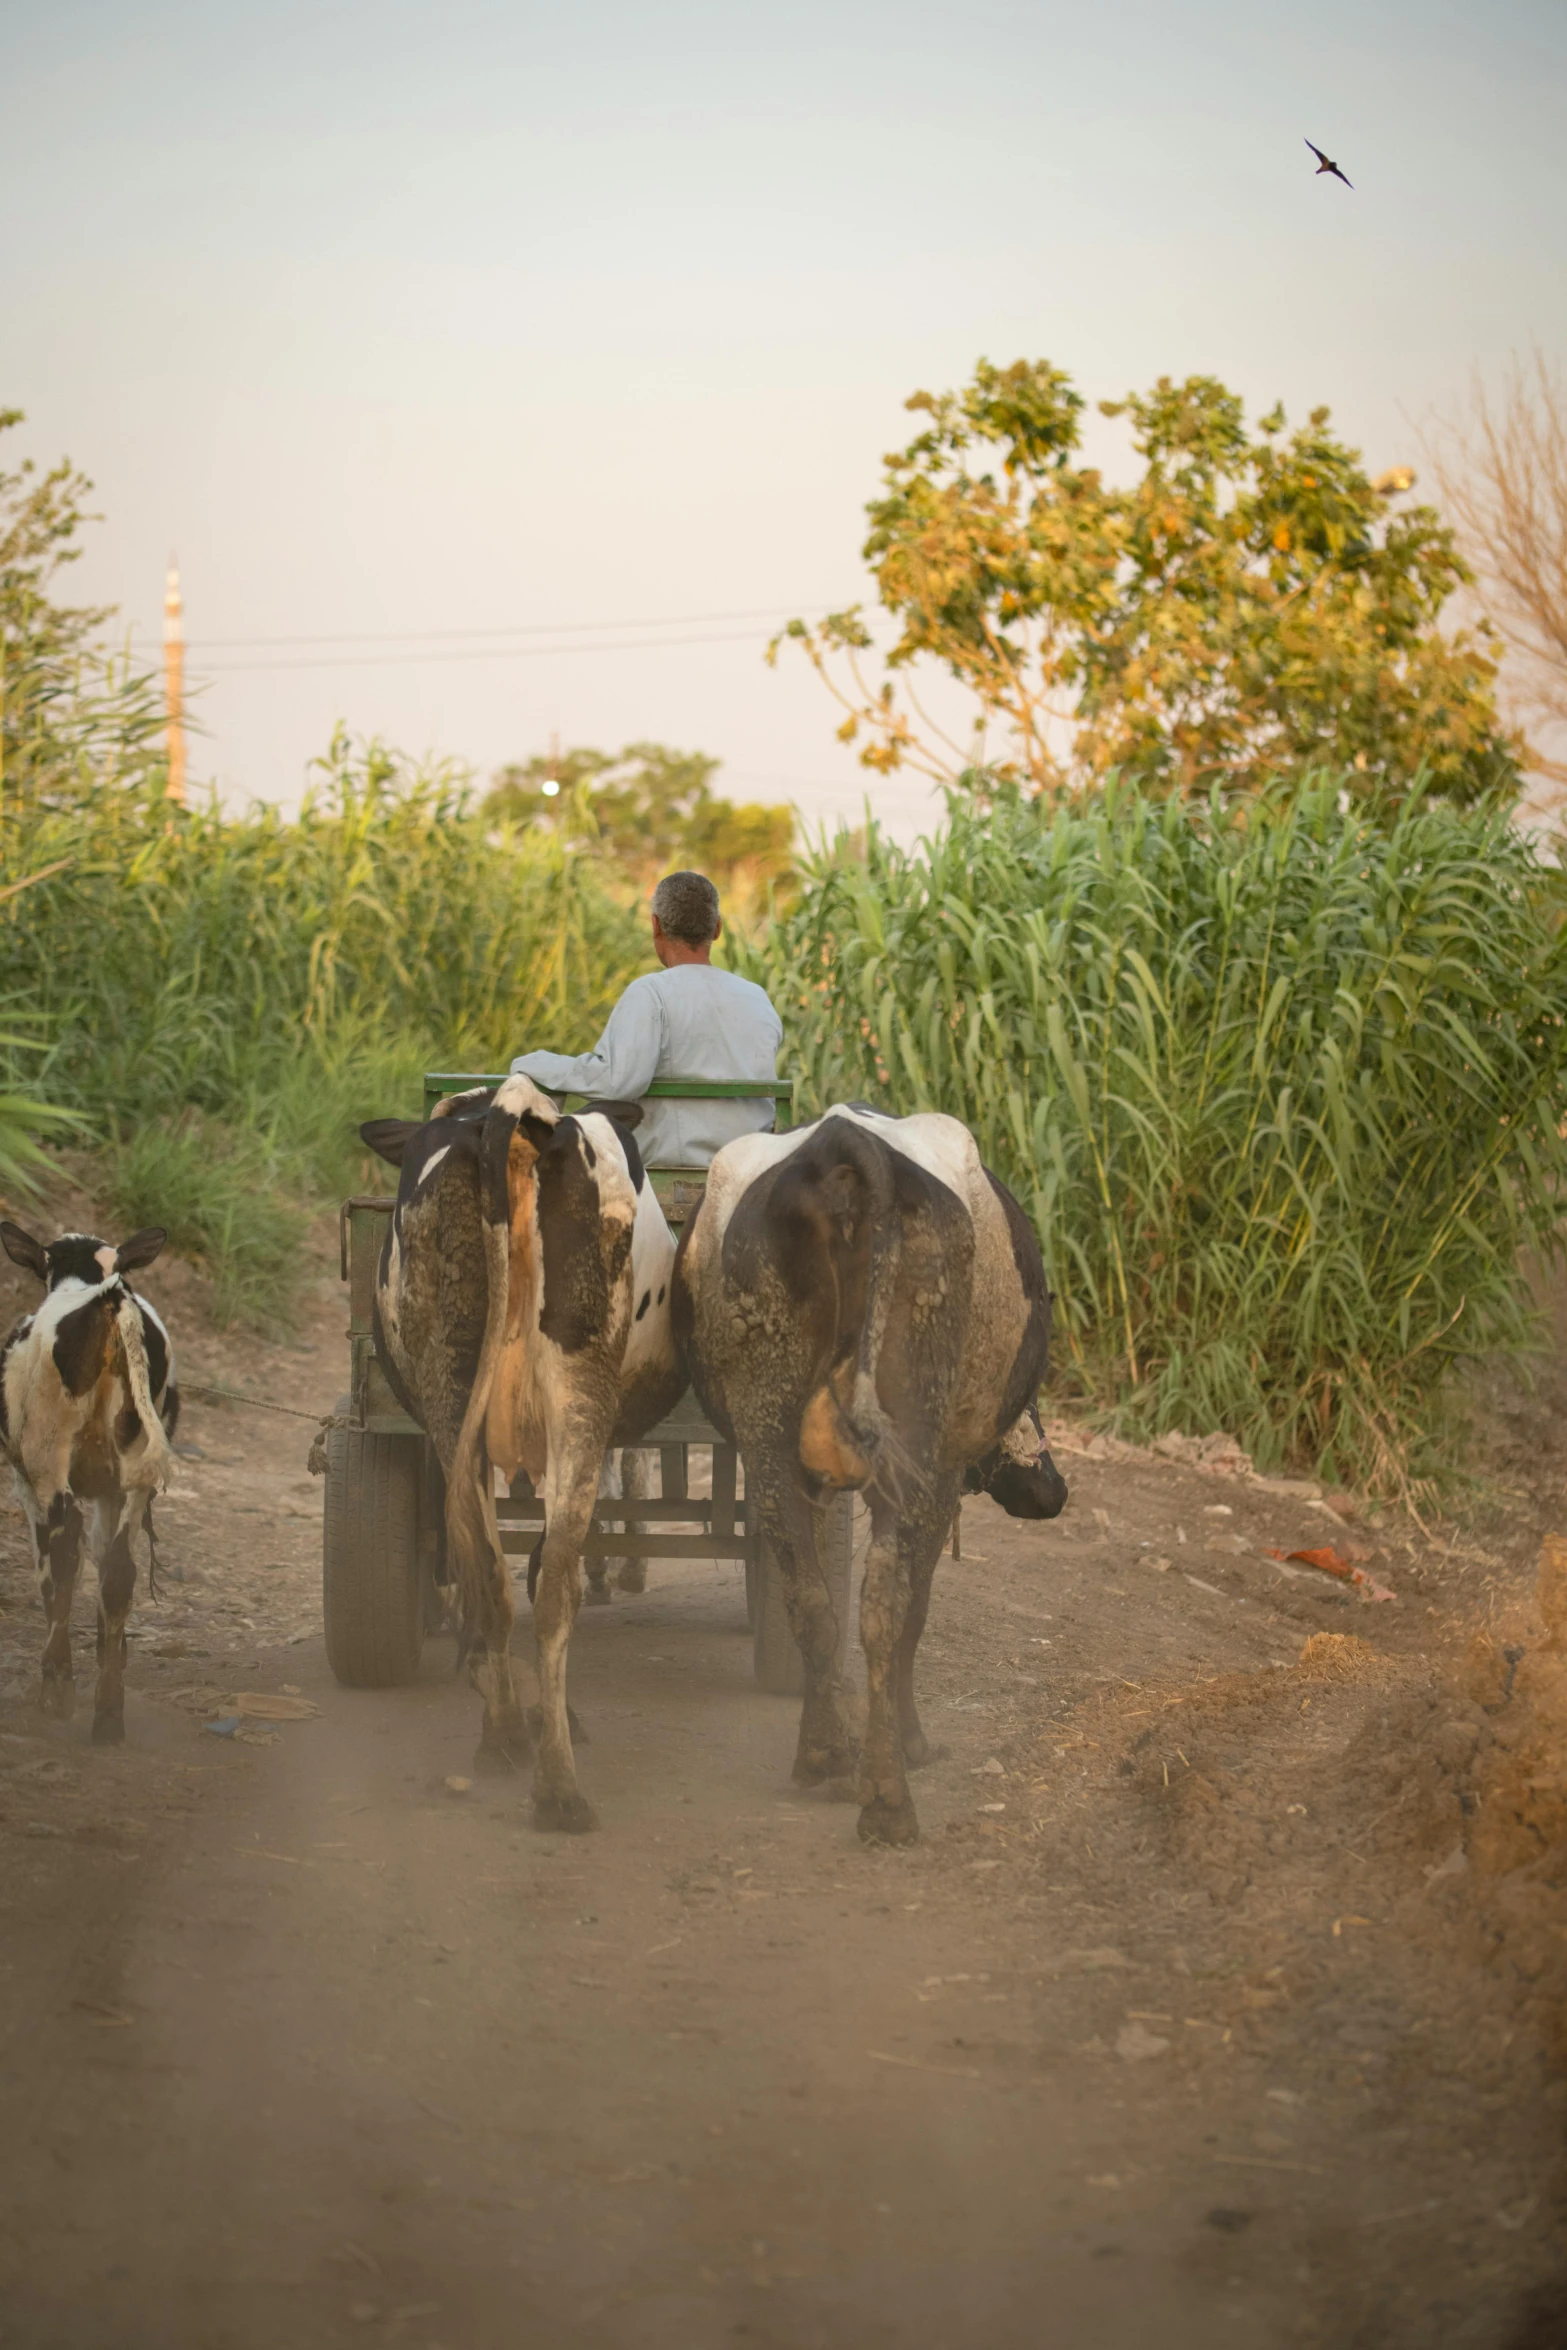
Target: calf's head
<point x="77" y="1256"/>
<point x="1019" y="1473"/>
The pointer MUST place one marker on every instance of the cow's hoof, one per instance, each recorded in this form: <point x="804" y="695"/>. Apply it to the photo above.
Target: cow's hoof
<point x="632" y="1578"/>
<point x="569" y="1811"/>
<point x="882" y="1822"/>
<point x="57" y="1696"/>
<point x="920" y="1750"/>
<point x="503" y="1747"/>
<point x="813" y="1764"/>
<point x="597" y="1595"/>
<point x="108" y="1730"/>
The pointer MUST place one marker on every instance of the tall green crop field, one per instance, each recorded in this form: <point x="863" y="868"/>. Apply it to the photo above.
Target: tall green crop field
<point x="1281" y="1087"/>
<point x="222" y="999"/>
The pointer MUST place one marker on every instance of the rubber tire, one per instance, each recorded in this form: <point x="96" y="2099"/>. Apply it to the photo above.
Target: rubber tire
<point x="372" y="1589"/>
<point x="775" y="1653"/>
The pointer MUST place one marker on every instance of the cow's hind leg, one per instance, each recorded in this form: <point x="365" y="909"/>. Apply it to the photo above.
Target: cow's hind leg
<point x="488" y="1616"/>
<point x="116" y="1564"/>
<point x="597" y="1570"/>
<point x="636" y="1484"/>
<point x="57" y="1550"/>
<point x="792" y="1523"/>
<point x="901" y="1560"/>
<point x="917" y="1748"/>
<point x="558" y="1802"/>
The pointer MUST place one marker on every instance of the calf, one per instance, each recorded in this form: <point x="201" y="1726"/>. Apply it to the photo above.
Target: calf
<point x="522" y="1317"/>
<point x="866" y="1308"/>
<point x="88" y="1406"/>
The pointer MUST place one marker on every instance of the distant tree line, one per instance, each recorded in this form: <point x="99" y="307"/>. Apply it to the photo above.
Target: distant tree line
<point x="647" y="807"/>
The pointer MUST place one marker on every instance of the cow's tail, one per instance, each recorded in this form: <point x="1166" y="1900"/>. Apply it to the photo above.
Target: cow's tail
<point x="846" y="1435"/>
<point x="470" y="1500"/>
<point x="148" y="1470"/>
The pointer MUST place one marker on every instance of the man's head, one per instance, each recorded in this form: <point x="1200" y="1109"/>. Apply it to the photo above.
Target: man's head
<point x="685" y="918"/>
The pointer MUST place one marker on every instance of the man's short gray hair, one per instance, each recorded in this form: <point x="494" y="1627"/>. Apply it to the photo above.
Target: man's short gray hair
<point x="687" y="908"/>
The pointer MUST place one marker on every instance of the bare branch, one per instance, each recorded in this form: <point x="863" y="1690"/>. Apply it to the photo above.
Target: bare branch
<point x="1501" y="463"/>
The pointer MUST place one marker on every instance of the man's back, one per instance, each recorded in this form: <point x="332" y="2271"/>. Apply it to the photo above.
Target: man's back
<point x="690" y="1020"/>
<point x="716" y="1025"/>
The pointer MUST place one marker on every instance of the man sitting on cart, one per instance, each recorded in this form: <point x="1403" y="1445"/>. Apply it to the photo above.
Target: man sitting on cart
<point x="690" y="1019"/>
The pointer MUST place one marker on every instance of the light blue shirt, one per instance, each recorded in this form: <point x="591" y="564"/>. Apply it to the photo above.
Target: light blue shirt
<point x="692" y="1020"/>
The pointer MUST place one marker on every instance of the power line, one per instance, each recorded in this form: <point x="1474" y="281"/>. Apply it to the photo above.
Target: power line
<point x="487" y="653"/>
<point x="526" y="628"/>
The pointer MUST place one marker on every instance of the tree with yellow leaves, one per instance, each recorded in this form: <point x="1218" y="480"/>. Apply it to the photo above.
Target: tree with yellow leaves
<point x="1251" y="604"/>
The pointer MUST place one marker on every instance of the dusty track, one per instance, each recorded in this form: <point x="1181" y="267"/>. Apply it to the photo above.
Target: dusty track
<point x="1204" y="2034"/>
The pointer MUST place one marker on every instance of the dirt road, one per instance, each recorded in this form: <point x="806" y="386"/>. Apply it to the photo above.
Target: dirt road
<point x="1220" y="2001"/>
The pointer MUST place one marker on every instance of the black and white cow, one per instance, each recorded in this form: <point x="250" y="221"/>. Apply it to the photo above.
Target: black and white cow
<point x="522" y="1317"/>
<point x="865" y="1307"/>
<point x="88" y="1405"/>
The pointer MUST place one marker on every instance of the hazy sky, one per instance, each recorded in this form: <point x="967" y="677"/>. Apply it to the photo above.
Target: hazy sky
<point x="402" y="320"/>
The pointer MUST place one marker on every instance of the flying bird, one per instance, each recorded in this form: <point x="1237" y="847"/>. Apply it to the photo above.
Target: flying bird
<point x="1324" y="163"/>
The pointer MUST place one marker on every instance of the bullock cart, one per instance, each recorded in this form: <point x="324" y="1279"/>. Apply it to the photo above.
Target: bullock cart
<point x="380" y="1537"/>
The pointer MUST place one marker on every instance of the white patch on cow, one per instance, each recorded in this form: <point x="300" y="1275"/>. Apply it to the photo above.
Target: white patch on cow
<point x="431" y="1163"/>
<point x="943" y="1146"/>
<point x="71" y="1295"/>
<point x="612" y="1172"/>
<point x="520" y="1095"/>
<point x="109" y="1259"/>
<point x="652" y="1271"/>
<point x="151" y="1314"/>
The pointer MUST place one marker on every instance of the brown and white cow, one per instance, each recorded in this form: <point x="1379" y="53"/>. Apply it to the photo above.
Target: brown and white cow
<point x="522" y="1317"/>
<point x="866" y="1308"/>
<point x="88" y="1405"/>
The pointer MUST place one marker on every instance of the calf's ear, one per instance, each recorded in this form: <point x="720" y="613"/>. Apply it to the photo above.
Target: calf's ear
<point x="140" y="1249"/>
<point x="23" y="1250"/>
<point x="389" y="1137"/>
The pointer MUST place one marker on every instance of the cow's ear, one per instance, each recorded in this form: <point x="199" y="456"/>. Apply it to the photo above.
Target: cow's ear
<point x="627" y="1114"/>
<point x="541" y="1132"/>
<point x="140" y="1249"/>
<point x="628" y="1143"/>
<point x="23" y="1250"/>
<point x="471" y="1105"/>
<point x="389" y="1137"/>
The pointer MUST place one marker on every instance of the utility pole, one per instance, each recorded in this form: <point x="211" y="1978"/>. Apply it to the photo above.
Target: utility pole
<point x="174" y="682"/>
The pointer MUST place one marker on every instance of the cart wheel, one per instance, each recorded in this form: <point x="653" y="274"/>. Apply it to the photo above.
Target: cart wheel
<point x="780" y="1669"/>
<point x="371" y="1582"/>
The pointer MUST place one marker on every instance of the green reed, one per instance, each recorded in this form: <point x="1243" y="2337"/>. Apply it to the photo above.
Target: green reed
<point x="1282" y="1087"/>
<point x="225" y="998"/>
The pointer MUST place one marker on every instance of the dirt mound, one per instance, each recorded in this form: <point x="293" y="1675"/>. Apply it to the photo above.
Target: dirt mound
<point x="1339" y="1656"/>
<point x="1362" y="1787"/>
